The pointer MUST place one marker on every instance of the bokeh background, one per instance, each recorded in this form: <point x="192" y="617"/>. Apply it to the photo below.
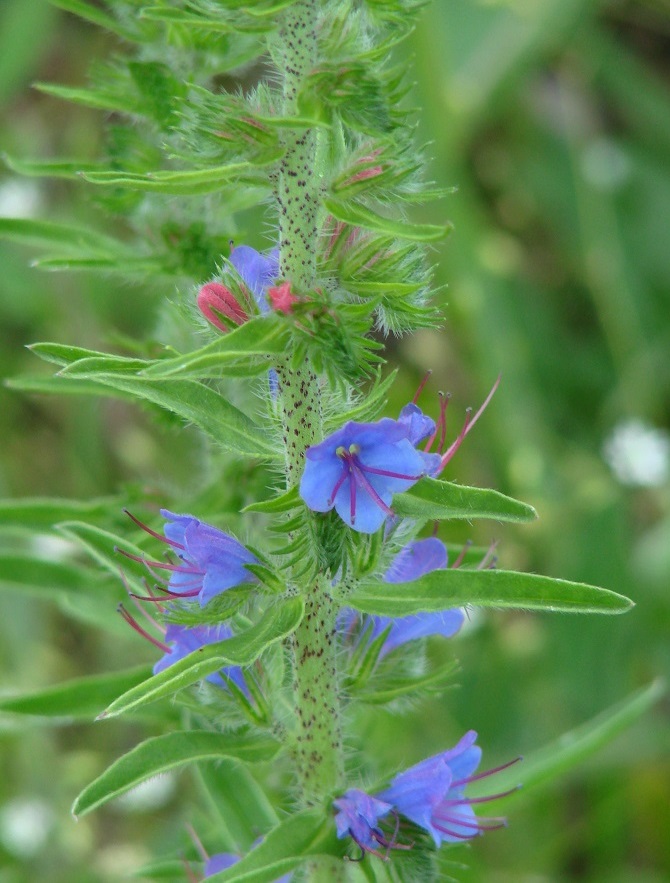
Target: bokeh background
<point x="552" y="120"/>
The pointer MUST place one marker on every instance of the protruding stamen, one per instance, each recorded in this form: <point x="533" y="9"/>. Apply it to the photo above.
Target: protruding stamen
<point x="462" y="554"/>
<point x="483" y="775"/>
<point x="489" y="558"/>
<point x="467" y="426"/>
<point x="441" y="425"/>
<point x="153" y="533"/>
<point x="426" y="378"/>
<point x="338" y="484"/>
<point x="130" y="619"/>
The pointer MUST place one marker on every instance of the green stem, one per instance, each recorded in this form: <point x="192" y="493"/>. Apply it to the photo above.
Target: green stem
<point x="318" y="751"/>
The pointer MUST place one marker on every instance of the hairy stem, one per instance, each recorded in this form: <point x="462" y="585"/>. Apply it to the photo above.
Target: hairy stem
<point x="318" y="751"/>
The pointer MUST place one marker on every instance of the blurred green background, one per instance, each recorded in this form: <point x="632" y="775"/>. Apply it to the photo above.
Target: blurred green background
<point x="552" y="119"/>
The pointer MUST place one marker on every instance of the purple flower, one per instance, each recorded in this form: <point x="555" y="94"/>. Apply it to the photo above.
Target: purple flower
<point x="357" y="470"/>
<point x="358" y="815"/>
<point x="415" y="560"/>
<point x="257" y="270"/>
<point x="221" y="861"/>
<point x="212" y="560"/>
<point x="431" y="794"/>
<point x="182" y="641"/>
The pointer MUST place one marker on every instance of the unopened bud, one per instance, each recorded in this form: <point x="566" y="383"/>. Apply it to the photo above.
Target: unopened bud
<point x="215" y="300"/>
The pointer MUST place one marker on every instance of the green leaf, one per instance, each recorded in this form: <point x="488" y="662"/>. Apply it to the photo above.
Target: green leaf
<point x="91" y="13"/>
<point x="52" y="580"/>
<point x="181" y="17"/>
<point x="100" y="544"/>
<point x="431" y="499"/>
<point x="572" y="748"/>
<point x="359" y="216"/>
<point x="78" y="698"/>
<point x="240" y="805"/>
<point x="41" y="512"/>
<point x="193" y="181"/>
<point x="31" y="232"/>
<point x="301" y="835"/>
<point x="275" y="624"/>
<point x="95" y="98"/>
<point x="282" y="503"/>
<point x="442" y="589"/>
<point x="188" y="399"/>
<point x="162" y="753"/>
<point x="255" y="339"/>
<point x="385" y="689"/>
<point x="59" y="168"/>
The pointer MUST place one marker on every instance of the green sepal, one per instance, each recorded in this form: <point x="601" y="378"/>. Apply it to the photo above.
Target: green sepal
<point x="359" y="216"/>
<point x="162" y="753"/>
<point x="431" y="499"/>
<point x="276" y="623"/>
<point x="80" y="698"/>
<point x="299" y="837"/>
<point x="443" y="589"/>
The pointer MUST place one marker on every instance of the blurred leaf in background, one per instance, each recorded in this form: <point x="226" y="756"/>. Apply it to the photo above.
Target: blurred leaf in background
<point x="552" y="118"/>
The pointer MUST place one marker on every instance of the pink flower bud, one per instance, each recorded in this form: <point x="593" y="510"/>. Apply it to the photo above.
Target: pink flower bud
<point x="282" y="298"/>
<point x="214" y="298"/>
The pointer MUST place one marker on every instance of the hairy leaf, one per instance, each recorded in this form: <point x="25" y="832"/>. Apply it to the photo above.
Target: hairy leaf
<point x="442" y="589"/>
<point x="162" y="753"/>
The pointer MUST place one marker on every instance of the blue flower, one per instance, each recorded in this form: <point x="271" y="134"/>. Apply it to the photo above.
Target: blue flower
<point x="359" y="467"/>
<point x="415" y="560"/>
<point x="431" y="794"/>
<point x="358" y="817"/>
<point x="257" y="270"/>
<point x="213" y="561"/>
<point x="182" y="641"/>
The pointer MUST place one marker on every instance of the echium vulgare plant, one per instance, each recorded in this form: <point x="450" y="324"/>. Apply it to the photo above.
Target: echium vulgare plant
<point x="301" y="578"/>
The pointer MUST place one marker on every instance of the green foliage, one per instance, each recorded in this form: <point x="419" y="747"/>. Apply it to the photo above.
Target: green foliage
<point x="162" y="753"/>
<point x="486" y="588"/>
<point x="194" y="143"/>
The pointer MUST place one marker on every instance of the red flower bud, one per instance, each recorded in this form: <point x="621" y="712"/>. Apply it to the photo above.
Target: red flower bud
<point x="215" y="298"/>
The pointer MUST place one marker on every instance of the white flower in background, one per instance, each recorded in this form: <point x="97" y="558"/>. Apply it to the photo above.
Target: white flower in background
<point x="19" y="198"/>
<point x="638" y="454"/>
<point x="25" y="823"/>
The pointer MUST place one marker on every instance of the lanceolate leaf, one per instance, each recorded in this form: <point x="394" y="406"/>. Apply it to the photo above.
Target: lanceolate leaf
<point x="49" y="168"/>
<point x="275" y="624"/>
<point x="52" y="580"/>
<point x="285" y="848"/>
<point x="90" y="13"/>
<point x="188" y="399"/>
<point x="572" y="748"/>
<point x="34" y="232"/>
<point x="162" y="753"/>
<point x="432" y="499"/>
<point x="257" y="338"/>
<point x="41" y="512"/>
<point x="442" y="589"/>
<point x="192" y="181"/>
<point x="78" y="698"/>
<point x="359" y="216"/>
